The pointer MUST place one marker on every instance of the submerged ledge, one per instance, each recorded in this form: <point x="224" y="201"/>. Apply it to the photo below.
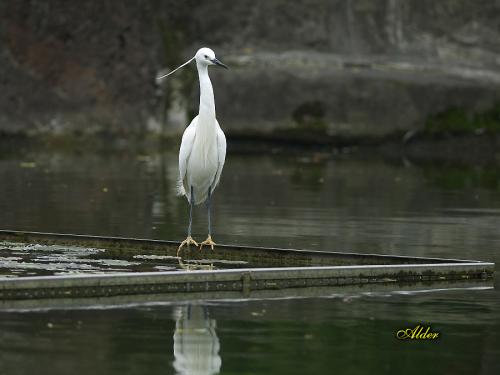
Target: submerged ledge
<point x="272" y="269"/>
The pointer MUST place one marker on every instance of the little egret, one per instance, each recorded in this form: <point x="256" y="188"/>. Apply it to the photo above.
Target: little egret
<point x="203" y="147"/>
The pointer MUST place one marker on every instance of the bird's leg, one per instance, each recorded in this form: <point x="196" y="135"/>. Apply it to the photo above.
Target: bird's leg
<point x="189" y="240"/>
<point x="209" y="241"/>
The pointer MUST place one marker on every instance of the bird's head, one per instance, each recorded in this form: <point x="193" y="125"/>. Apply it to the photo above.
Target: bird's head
<point x="205" y="56"/>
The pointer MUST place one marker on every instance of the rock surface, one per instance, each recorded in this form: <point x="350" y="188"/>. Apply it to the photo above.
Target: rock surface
<point x="332" y="68"/>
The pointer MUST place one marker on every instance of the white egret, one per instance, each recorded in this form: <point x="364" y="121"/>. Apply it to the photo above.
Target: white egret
<point x="203" y="148"/>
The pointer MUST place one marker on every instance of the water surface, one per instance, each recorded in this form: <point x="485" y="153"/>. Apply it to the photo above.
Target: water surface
<point x="311" y="200"/>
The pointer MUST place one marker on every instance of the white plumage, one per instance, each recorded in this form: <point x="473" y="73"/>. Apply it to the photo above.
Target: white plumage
<point x="200" y="164"/>
<point x="203" y="147"/>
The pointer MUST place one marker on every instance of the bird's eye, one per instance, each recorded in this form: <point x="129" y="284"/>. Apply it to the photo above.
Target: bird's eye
<point x="206" y="56"/>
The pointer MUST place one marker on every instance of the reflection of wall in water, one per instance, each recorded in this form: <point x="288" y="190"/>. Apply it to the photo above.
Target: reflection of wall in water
<point x="196" y="345"/>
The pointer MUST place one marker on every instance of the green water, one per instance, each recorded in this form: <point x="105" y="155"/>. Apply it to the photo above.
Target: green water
<point x="300" y="200"/>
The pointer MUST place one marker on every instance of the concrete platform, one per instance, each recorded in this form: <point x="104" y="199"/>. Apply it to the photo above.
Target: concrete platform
<point x="266" y="270"/>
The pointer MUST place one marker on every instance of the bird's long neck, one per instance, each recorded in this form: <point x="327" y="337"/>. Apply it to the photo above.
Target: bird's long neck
<point x="206" y="128"/>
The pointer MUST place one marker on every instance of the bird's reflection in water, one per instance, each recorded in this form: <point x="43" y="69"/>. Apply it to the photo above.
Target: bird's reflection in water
<point x="196" y="345"/>
<point x="191" y="265"/>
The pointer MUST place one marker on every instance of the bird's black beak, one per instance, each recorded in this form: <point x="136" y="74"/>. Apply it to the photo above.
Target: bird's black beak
<point x="217" y="62"/>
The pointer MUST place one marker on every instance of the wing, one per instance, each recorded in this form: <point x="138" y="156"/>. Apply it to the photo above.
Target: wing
<point x="184" y="152"/>
<point x="221" y="152"/>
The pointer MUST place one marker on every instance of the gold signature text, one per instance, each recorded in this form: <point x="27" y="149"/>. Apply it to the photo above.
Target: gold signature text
<point x="418" y="333"/>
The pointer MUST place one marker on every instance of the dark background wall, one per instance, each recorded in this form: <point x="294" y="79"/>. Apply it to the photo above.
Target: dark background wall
<point x="343" y="67"/>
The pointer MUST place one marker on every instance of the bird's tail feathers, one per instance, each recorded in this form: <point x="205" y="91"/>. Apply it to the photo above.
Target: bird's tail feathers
<point x="181" y="191"/>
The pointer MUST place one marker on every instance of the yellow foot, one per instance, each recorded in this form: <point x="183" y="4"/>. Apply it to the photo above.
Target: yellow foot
<point x="188" y="241"/>
<point x="208" y="242"/>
